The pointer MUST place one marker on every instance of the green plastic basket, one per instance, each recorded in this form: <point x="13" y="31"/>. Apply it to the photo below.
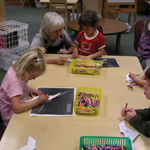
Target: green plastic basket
<point x="86" y="110"/>
<point x="102" y="140"/>
<point x="89" y="67"/>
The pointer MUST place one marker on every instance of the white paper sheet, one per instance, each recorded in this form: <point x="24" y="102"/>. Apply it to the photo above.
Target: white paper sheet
<point x="31" y="144"/>
<point x="128" y="133"/>
<point x="129" y="80"/>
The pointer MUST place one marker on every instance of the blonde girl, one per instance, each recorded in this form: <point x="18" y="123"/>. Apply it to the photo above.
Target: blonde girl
<point x="14" y="89"/>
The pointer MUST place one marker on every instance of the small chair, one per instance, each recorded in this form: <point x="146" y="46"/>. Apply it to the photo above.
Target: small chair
<point x="114" y="6"/>
<point x="139" y="26"/>
<point x="60" y="6"/>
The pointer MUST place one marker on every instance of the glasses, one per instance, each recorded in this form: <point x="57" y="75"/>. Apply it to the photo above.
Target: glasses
<point x="57" y="31"/>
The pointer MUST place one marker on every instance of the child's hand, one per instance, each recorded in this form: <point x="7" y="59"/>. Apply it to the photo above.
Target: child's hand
<point x="131" y="76"/>
<point x="132" y="83"/>
<point x="75" y="55"/>
<point x="87" y="58"/>
<point x="42" y="98"/>
<point x="62" y="51"/>
<point x="60" y="60"/>
<point x="129" y="113"/>
<point x="124" y="110"/>
<point x="36" y="92"/>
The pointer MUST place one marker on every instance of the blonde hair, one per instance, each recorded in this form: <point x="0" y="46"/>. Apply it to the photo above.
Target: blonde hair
<point x="51" y="22"/>
<point x="31" y="62"/>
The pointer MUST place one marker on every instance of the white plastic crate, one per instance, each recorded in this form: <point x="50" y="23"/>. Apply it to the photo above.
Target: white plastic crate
<point x="13" y="34"/>
<point x="7" y="58"/>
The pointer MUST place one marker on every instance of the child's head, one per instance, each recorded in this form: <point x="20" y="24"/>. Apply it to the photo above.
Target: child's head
<point x="147" y="26"/>
<point x="31" y="64"/>
<point x="88" y="20"/>
<point x="147" y="85"/>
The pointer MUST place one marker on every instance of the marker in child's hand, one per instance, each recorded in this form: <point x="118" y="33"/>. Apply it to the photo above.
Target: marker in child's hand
<point x="134" y="75"/>
<point x="75" y="53"/>
<point x="126" y="106"/>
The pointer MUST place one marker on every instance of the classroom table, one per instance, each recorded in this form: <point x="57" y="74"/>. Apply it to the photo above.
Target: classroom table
<point x="73" y="3"/>
<point x="53" y="133"/>
<point x="110" y="27"/>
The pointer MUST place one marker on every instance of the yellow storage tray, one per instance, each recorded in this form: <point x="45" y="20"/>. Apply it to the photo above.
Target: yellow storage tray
<point x="87" y="101"/>
<point x="90" y="67"/>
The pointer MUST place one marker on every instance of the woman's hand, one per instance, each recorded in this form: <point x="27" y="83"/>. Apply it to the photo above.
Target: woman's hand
<point x="62" y="51"/>
<point x="60" y="60"/>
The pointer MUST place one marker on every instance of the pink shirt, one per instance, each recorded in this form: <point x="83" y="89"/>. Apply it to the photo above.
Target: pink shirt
<point x="11" y="87"/>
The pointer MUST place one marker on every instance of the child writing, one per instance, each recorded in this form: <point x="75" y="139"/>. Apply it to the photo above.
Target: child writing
<point x="138" y="118"/>
<point x="90" y="41"/>
<point x="14" y="89"/>
<point x="137" y="81"/>
<point x="144" y="51"/>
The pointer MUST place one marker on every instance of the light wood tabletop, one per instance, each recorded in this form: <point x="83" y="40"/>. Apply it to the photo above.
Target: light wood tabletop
<point x="52" y="133"/>
<point x="110" y="27"/>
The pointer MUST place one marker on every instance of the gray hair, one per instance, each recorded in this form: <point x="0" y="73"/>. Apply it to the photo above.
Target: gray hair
<point x="51" y="22"/>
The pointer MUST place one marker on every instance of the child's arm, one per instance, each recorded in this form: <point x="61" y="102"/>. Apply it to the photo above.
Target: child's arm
<point x="139" y="122"/>
<point x="58" y="60"/>
<point x="140" y="81"/>
<point x="36" y="92"/>
<point x="97" y="54"/>
<point x="75" y="51"/>
<point x="18" y="107"/>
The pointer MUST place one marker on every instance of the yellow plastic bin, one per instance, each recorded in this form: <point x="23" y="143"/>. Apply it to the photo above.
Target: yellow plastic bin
<point x="87" y="101"/>
<point x="89" y="67"/>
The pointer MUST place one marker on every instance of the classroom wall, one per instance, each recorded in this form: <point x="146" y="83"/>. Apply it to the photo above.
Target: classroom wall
<point x="97" y="5"/>
<point x="2" y="11"/>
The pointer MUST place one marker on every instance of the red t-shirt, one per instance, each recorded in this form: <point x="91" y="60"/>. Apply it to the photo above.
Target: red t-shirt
<point x="89" y="46"/>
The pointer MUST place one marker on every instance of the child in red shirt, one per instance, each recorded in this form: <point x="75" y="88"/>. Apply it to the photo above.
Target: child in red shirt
<point x="90" y="41"/>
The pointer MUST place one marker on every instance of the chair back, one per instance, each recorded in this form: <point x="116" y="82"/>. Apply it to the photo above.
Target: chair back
<point x="139" y="26"/>
<point x="59" y="6"/>
<point x="121" y="6"/>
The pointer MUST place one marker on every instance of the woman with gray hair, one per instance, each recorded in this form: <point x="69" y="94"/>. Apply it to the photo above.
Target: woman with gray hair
<point x="53" y="37"/>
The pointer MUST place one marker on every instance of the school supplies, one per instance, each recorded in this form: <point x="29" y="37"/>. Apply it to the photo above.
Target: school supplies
<point x="128" y="79"/>
<point x="134" y="75"/>
<point x="126" y="106"/>
<point x="87" y="101"/>
<point x="60" y="102"/>
<point x="106" y="147"/>
<point x="128" y="132"/>
<point x="108" y="62"/>
<point x="31" y="144"/>
<point x="104" y="143"/>
<point x="89" y="67"/>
